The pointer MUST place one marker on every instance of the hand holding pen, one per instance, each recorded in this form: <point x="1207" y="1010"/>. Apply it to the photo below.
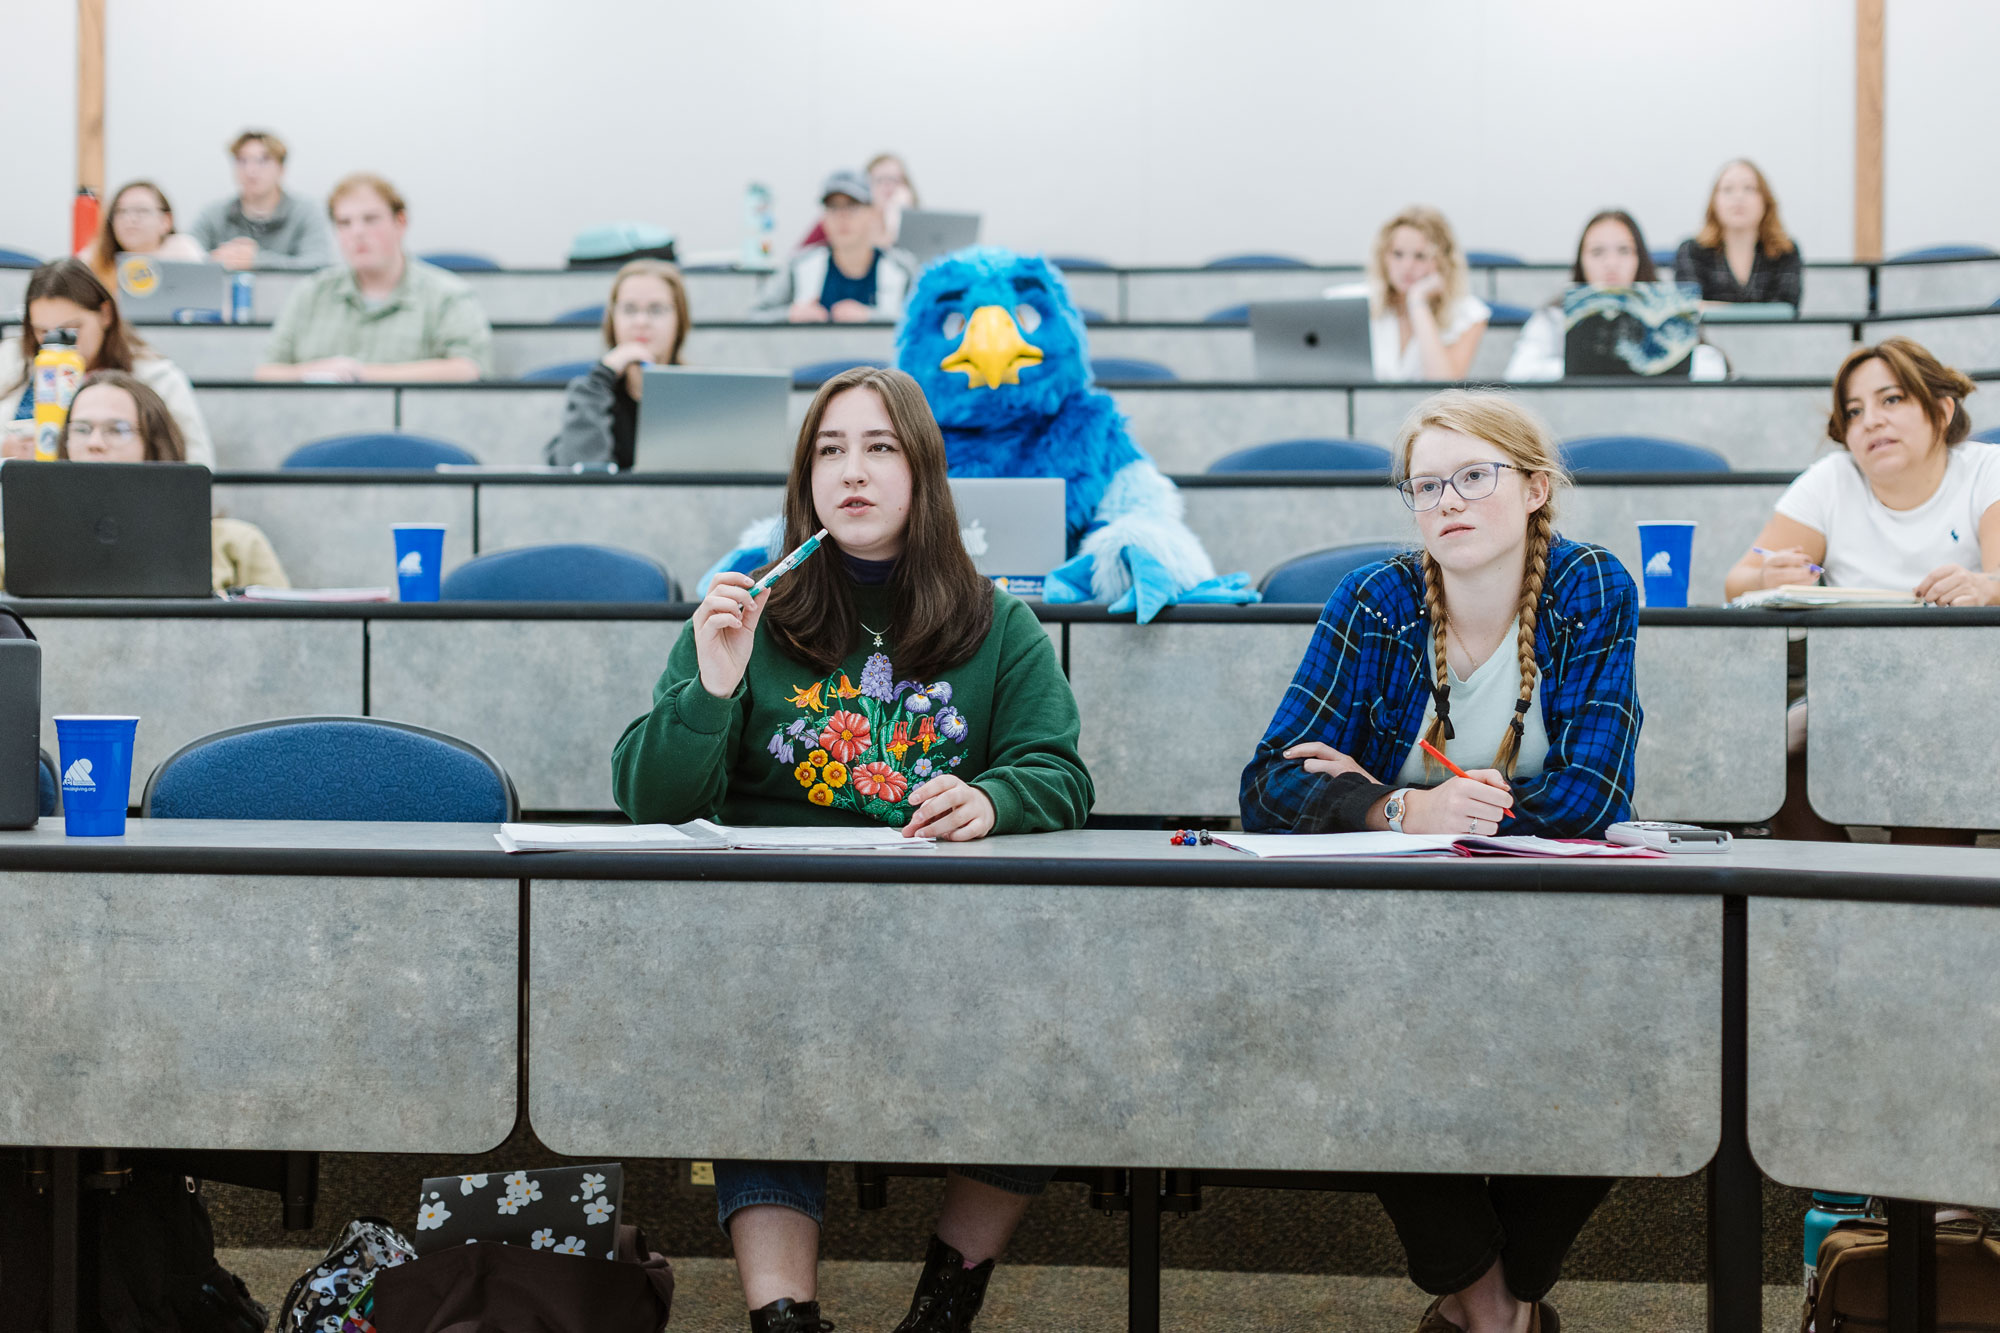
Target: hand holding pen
<point x="1787" y="566"/>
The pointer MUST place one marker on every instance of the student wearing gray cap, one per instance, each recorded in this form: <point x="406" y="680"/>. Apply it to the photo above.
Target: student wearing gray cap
<point x="852" y="279"/>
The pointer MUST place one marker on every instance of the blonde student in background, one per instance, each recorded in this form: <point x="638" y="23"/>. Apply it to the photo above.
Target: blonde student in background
<point x="1426" y="322"/>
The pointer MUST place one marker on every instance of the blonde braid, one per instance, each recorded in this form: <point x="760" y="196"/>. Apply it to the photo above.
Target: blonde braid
<point x="1440" y="730"/>
<point x="1535" y="570"/>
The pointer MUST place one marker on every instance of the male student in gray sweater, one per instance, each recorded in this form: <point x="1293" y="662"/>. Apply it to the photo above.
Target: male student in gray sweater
<point x="261" y="226"/>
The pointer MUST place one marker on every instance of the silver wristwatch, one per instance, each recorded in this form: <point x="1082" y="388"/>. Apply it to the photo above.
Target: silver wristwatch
<point x="1397" y="804"/>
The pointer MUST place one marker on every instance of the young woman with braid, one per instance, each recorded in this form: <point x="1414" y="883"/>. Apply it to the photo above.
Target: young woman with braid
<point x="1511" y="649"/>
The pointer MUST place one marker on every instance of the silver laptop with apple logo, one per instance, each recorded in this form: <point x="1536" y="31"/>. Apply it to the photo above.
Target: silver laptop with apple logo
<point x="1014" y="528"/>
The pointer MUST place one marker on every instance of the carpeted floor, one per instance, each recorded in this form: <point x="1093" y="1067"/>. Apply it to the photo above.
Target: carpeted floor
<point x="862" y="1296"/>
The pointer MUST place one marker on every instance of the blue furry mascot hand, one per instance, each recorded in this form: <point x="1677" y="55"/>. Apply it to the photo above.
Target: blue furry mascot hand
<point x="998" y="347"/>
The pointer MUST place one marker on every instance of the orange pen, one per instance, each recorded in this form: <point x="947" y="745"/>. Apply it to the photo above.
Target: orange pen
<point x="1456" y="771"/>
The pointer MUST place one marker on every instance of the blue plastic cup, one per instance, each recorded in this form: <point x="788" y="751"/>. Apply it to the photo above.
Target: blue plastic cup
<point x="96" y="773"/>
<point x="419" y="561"/>
<point x="1666" y="549"/>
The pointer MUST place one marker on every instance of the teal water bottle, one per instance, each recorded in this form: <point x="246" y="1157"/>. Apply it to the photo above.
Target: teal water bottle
<point x="759" y="229"/>
<point x="1828" y="1211"/>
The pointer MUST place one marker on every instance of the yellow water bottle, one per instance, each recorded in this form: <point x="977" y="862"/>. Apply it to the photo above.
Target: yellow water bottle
<point x="58" y="370"/>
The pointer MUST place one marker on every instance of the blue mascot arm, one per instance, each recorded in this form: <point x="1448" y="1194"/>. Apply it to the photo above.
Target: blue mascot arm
<point x="752" y="552"/>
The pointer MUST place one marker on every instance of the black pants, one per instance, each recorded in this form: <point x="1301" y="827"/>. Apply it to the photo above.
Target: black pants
<point x="1453" y="1228"/>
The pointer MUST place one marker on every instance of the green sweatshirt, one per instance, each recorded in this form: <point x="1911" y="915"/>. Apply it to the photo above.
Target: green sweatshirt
<point x="792" y="747"/>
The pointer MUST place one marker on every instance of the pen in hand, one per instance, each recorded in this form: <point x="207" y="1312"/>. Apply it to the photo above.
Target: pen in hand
<point x="1456" y="771"/>
<point x="1810" y="566"/>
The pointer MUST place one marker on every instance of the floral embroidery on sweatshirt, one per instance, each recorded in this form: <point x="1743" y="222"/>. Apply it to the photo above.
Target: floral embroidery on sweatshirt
<point x="866" y="747"/>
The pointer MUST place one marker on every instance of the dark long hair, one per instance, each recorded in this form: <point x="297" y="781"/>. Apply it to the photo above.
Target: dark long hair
<point x="72" y="280"/>
<point x="940" y="607"/>
<point x="1648" y="272"/>
<point x="156" y="425"/>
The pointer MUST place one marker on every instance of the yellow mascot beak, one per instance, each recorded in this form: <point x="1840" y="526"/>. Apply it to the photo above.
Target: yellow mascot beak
<point x="993" y="350"/>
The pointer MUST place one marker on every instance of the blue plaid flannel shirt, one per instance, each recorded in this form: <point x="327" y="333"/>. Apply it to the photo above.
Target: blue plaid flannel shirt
<point x="1364" y="685"/>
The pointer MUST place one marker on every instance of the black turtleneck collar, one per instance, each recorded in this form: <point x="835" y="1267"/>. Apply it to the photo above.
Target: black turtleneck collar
<point x="868" y="573"/>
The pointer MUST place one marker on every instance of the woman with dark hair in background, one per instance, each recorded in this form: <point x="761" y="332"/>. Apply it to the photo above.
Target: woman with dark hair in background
<point x="137" y="221"/>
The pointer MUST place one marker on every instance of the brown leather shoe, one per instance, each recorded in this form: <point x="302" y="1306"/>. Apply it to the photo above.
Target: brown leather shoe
<point x="1433" y="1322"/>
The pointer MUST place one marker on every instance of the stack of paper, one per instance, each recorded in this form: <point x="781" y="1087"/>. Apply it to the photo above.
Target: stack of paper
<point x="698" y="835"/>
<point x="1419" y="844"/>
<point x="1792" y="595"/>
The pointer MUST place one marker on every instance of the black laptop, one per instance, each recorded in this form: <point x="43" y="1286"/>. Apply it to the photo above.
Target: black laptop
<point x="105" y="529"/>
<point x="20" y="732"/>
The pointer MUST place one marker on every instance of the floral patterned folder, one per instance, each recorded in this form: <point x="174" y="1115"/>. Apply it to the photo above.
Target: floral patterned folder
<point x="567" y="1209"/>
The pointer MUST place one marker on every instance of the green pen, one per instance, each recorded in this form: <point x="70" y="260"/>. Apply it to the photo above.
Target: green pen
<point x="789" y="563"/>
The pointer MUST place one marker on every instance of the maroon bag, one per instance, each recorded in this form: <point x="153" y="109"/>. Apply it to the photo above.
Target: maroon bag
<point x="488" y="1288"/>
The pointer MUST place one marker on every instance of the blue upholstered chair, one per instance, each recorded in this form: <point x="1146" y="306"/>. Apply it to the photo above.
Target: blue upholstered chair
<point x="1307" y="455"/>
<point x="1493" y="259"/>
<point x="459" y="262"/>
<point x="1991" y="435"/>
<point x="1077" y="263"/>
<point x="11" y="258"/>
<point x="562" y="372"/>
<point x="377" y="449"/>
<point x="1310" y="579"/>
<point x="1942" y="252"/>
<point x="362" y="768"/>
<point x="1257" y="261"/>
<point x="1638" y="453"/>
<point x="570" y="572"/>
<point x="1129" y="370"/>
<point x="1229" y="314"/>
<point x="47" y="788"/>
<point x="583" y="314"/>
<point x="819" y="372"/>
<point x="1506" y="316"/>
<point x="1664" y="260"/>
<point x="1092" y="315"/>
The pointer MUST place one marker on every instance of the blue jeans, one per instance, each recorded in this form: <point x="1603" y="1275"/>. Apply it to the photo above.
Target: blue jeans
<point x="801" y="1186"/>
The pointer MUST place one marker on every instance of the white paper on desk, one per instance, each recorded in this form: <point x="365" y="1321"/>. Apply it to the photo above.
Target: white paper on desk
<point x="1526" y="844"/>
<point x="600" y="838"/>
<point x="812" y="838"/>
<point x="258" y="592"/>
<point x="1339" y="844"/>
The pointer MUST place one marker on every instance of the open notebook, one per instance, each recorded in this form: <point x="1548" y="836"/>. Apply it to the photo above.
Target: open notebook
<point x="1419" y="844"/>
<point x="698" y="835"/>
<point x="1791" y="595"/>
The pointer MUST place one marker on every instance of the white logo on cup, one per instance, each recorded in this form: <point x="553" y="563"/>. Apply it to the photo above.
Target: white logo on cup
<point x="1661" y="566"/>
<point x="78" y="776"/>
<point x="974" y="538"/>
<point x="411" y="564"/>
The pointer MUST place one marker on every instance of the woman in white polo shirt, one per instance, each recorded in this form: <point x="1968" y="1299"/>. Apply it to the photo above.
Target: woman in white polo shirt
<point x="1426" y="324"/>
<point x="1908" y="505"/>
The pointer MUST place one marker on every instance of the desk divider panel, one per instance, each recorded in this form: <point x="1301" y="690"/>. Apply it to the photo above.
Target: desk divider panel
<point x="547" y="698"/>
<point x="1429" y="1030"/>
<point x="1712" y="749"/>
<point x="1729" y="518"/>
<point x="1969" y="342"/>
<point x="1942" y="286"/>
<point x="500" y="426"/>
<point x="255" y="427"/>
<point x="685" y="528"/>
<point x="309" y="1013"/>
<point x="339" y="535"/>
<point x="1902" y="729"/>
<point x="185" y="677"/>
<point x="1875" y="1047"/>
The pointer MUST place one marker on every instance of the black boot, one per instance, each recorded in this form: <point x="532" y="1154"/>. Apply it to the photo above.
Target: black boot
<point x="948" y="1294"/>
<point x="786" y="1315"/>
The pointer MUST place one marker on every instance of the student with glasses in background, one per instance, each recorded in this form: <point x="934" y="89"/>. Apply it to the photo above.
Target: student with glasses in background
<point x="646" y="322"/>
<point x="261" y="225"/>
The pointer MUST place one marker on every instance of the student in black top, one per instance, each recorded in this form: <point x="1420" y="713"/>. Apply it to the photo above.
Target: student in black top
<point x="1742" y="252"/>
<point x="645" y="323"/>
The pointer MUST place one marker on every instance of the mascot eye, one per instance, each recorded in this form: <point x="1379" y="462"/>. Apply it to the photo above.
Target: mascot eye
<point x="1027" y="317"/>
<point x="954" y="324"/>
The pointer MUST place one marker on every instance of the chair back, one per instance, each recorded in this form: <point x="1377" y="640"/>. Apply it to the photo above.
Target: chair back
<point x="1991" y="435"/>
<point x="570" y="572"/>
<point x="348" y="768"/>
<point x="1638" y="453"/>
<point x="1506" y="316"/>
<point x="562" y="372"/>
<point x="583" y="314"/>
<point x="1493" y="259"/>
<point x="12" y="258"/>
<point x="1942" y="252"/>
<point x="461" y="262"/>
<point x="1310" y="579"/>
<point x="1229" y="314"/>
<point x="377" y="449"/>
<point x="819" y="372"/>
<point x="1129" y="370"/>
<point x="1307" y="455"/>
<point x="1257" y="261"/>
<point x="1077" y="263"/>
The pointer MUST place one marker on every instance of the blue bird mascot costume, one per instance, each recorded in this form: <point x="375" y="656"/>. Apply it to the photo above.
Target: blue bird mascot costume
<point x="998" y="347"/>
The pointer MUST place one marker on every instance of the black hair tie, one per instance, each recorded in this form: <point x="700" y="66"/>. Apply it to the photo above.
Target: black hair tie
<point x="1520" y="723"/>
<point x="1442" y="693"/>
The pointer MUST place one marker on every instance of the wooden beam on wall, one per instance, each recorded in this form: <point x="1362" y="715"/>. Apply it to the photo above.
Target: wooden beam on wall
<point x="1868" y="66"/>
<point x="90" y="94"/>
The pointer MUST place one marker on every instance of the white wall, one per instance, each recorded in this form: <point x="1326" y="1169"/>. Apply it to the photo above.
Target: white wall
<point x="38" y="88"/>
<point x="1145" y="131"/>
<point x="1942" y="107"/>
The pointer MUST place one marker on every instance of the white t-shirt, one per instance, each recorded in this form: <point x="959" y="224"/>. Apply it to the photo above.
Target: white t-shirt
<point x="1869" y="545"/>
<point x="1397" y="361"/>
<point x="1482" y="705"/>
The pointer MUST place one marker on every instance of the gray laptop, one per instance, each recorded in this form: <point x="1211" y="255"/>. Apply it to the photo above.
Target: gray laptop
<point x="105" y="529"/>
<point x="167" y="291"/>
<point x="1015" y="528"/>
<point x="924" y="233"/>
<point x="1325" y="341"/>
<point x="714" y="421"/>
<point x="20" y="732"/>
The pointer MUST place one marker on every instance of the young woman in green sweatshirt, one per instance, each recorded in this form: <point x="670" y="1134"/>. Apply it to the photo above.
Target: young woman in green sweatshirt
<point x="881" y="681"/>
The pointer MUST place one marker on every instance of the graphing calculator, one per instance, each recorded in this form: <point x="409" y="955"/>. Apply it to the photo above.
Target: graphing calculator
<point x="1664" y="837"/>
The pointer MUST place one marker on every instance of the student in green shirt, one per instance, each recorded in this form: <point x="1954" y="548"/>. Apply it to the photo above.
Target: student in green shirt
<point x="881" y="681"/>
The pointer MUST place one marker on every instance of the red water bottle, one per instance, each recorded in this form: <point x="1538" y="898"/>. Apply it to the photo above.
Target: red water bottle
<point x="83" y="218"/>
